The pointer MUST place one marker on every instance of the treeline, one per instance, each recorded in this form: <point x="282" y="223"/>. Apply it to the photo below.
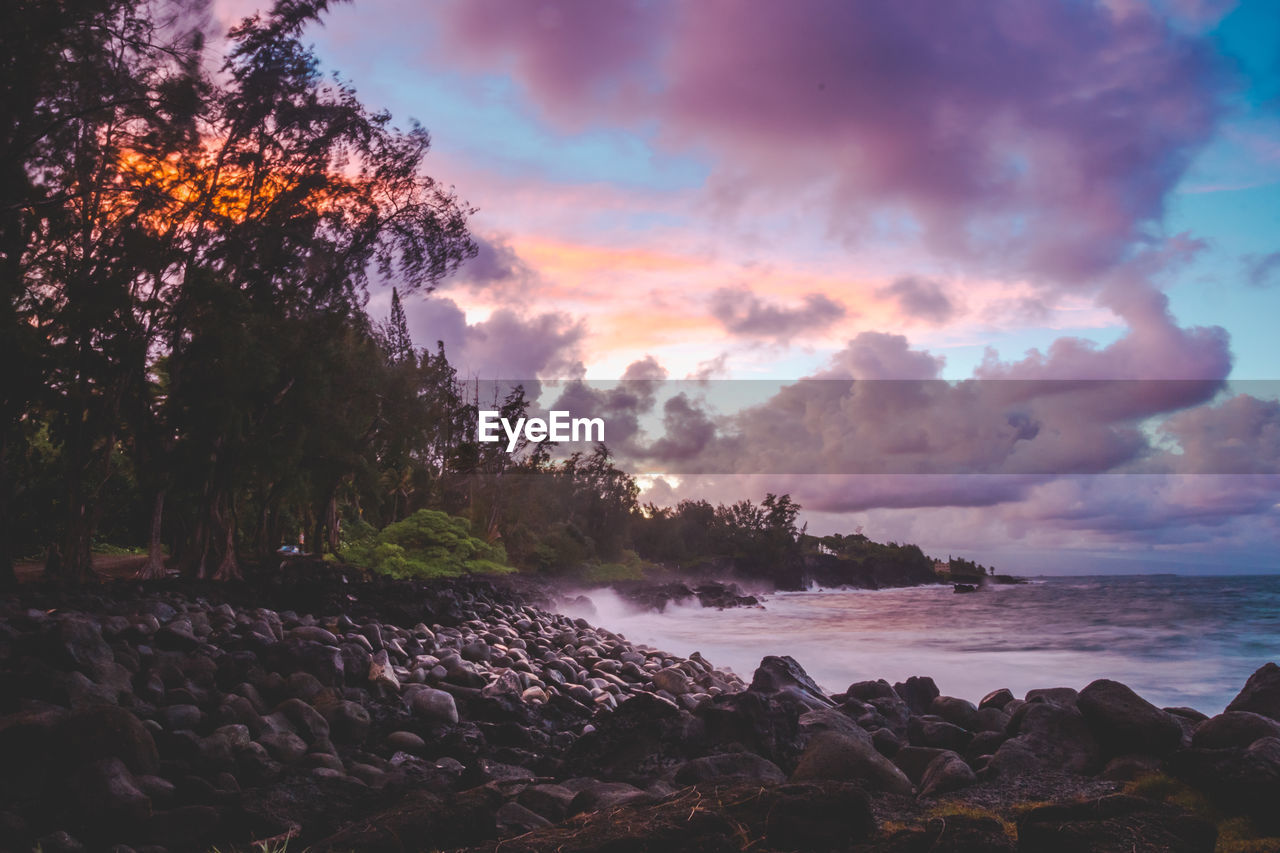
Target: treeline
<point x="186" y="247"/>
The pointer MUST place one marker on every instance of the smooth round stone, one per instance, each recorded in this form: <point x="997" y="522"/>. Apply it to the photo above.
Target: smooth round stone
<point x="405" y="742"/>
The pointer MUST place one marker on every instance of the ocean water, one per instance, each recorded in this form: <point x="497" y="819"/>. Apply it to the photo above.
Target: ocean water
<point x="1176" y="640"/>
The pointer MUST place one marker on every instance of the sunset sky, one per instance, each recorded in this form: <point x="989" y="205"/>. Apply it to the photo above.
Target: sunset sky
<point x="1049" y="189"/>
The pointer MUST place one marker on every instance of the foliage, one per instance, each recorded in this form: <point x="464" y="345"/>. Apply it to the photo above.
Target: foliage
<point x="428" y="543"/>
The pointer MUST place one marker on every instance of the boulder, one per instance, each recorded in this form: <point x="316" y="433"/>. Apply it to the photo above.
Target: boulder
<point x="1064" y="696"/>
<point x="1239" y="780"/>
<point x="1048" y="735"/>
<point x="783" y="675"/>
<point x="1261" y="693"/>
<point x="923" y="731"/>
<point x="996" y="699"/>
<point x="958" y="712"/>
<point x="914" y="760"/>
<point x="435" y="705"/>
<point x="918" y="692"/>
<point x="348" y="721"/>
<point x="948" y="772"/>
<point x="838" y="757"/>
<point x="1124" y="722"/>
<point x="1234" y="729"/>
<point x="105" y="798"/>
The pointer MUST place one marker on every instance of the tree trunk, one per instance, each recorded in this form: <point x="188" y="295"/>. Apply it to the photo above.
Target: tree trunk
<point x="332" y="522"/>
<point x="229" y="567"/>
<point x="154" y="567"/>
<point x="8" y="579"/>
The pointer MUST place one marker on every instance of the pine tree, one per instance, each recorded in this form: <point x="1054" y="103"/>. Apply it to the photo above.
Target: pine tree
<point x="399" y="342"/>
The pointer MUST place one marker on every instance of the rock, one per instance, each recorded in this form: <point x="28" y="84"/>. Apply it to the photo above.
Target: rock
<point x="514" y="819"/>
<point x="996" y="699"/>
<point x="1114" y="824"/>
<point x="730" y="767"/>
<point x="838" y="757"/>
<point x="306" y="720"/>
<point x="597" y="796"/>
<point x="550" y="801"/>
<point x="948" y="772"/>
<point x="868" y="690"/>
<point x="381" y="673"/>
<point x="1053" y="736"/>
<point x="1234" y="729"/>
<point x="1063" y="696"/>
<point x="673" y="681"/>
<point x="918" y="692"/>
<point x="1124" y="722"/>
<point x="100" y="733"/>
<point x="958" y="712"/>
<point x="783" y="675"/>
<point x="922" y="731"/>
<point x="1238" y="780"/>
<point x="406" y="742"/>
<point x="106" y="798"/>
<point x="285" y="747"/>
<point x="886" y="742"/>
<point x="433" y="704"/>
<point x="1261" y="693"/>
<point x="348" y="721"/>
<point x="914" y="760"/>
<point x="315" y="634"/>
<point x="829" y="720"/>
<point x="476" y="652"/>
<point x="179" y="717"/>
<point x="1126" y="768"/>
<point x="82" y="646"/>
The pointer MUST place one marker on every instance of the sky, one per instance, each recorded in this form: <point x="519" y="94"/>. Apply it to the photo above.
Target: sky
<point x="1018" y="194"/>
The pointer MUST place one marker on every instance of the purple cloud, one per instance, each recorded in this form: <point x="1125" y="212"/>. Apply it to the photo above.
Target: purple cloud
<point x="744" y="313"/>
<point x="920" y="298"/>
<point x="1039" y="135"/>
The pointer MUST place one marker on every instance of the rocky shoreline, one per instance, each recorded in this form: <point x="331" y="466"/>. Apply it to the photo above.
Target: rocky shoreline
<point x="336" y="713"/>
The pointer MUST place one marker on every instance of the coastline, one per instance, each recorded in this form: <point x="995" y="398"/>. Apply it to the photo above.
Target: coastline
<point x="463" y="714"/>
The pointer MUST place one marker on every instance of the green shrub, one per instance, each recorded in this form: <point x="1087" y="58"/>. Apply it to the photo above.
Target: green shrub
<point x="427" y="544"/>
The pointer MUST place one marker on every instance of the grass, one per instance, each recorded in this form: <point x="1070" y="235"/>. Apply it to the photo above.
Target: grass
<point x="944" y="810"/>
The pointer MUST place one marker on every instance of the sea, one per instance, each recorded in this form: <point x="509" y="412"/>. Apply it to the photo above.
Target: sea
<point x="1176" y="640"/>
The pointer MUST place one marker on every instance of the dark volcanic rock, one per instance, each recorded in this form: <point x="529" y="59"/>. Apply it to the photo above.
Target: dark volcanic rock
<point x="783" y="675"/>
<point x="1239" y="780"/>
<point x="1115" y="824"/>
<point x="643" y="739"/>
<point x="948" y="772"/>
<point x="1125" y="722"/>
<point x="1047" y="735"/>
<point x="1261" y="693"/>
<point x="837" y="757"/>
<point x="918" y="692"/>
<point x="1234" y="729"/>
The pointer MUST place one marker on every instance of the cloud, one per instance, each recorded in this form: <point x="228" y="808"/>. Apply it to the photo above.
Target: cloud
<point x="506" y="345"/>
<point x="1262" y="270"/>
<point x="743" y="313"/>
<point x="880" y="355"/>
<point x="919" y="298"/>
<point x="1043" y="139"/>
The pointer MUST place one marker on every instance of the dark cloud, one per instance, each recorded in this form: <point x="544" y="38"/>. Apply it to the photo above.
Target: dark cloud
<point x="920" y="298"/>
<point x="1039" y="135"/>
<point x="1262" y="270"/>
<point x="507" y="345"/>
<point x="744" y="313"/>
